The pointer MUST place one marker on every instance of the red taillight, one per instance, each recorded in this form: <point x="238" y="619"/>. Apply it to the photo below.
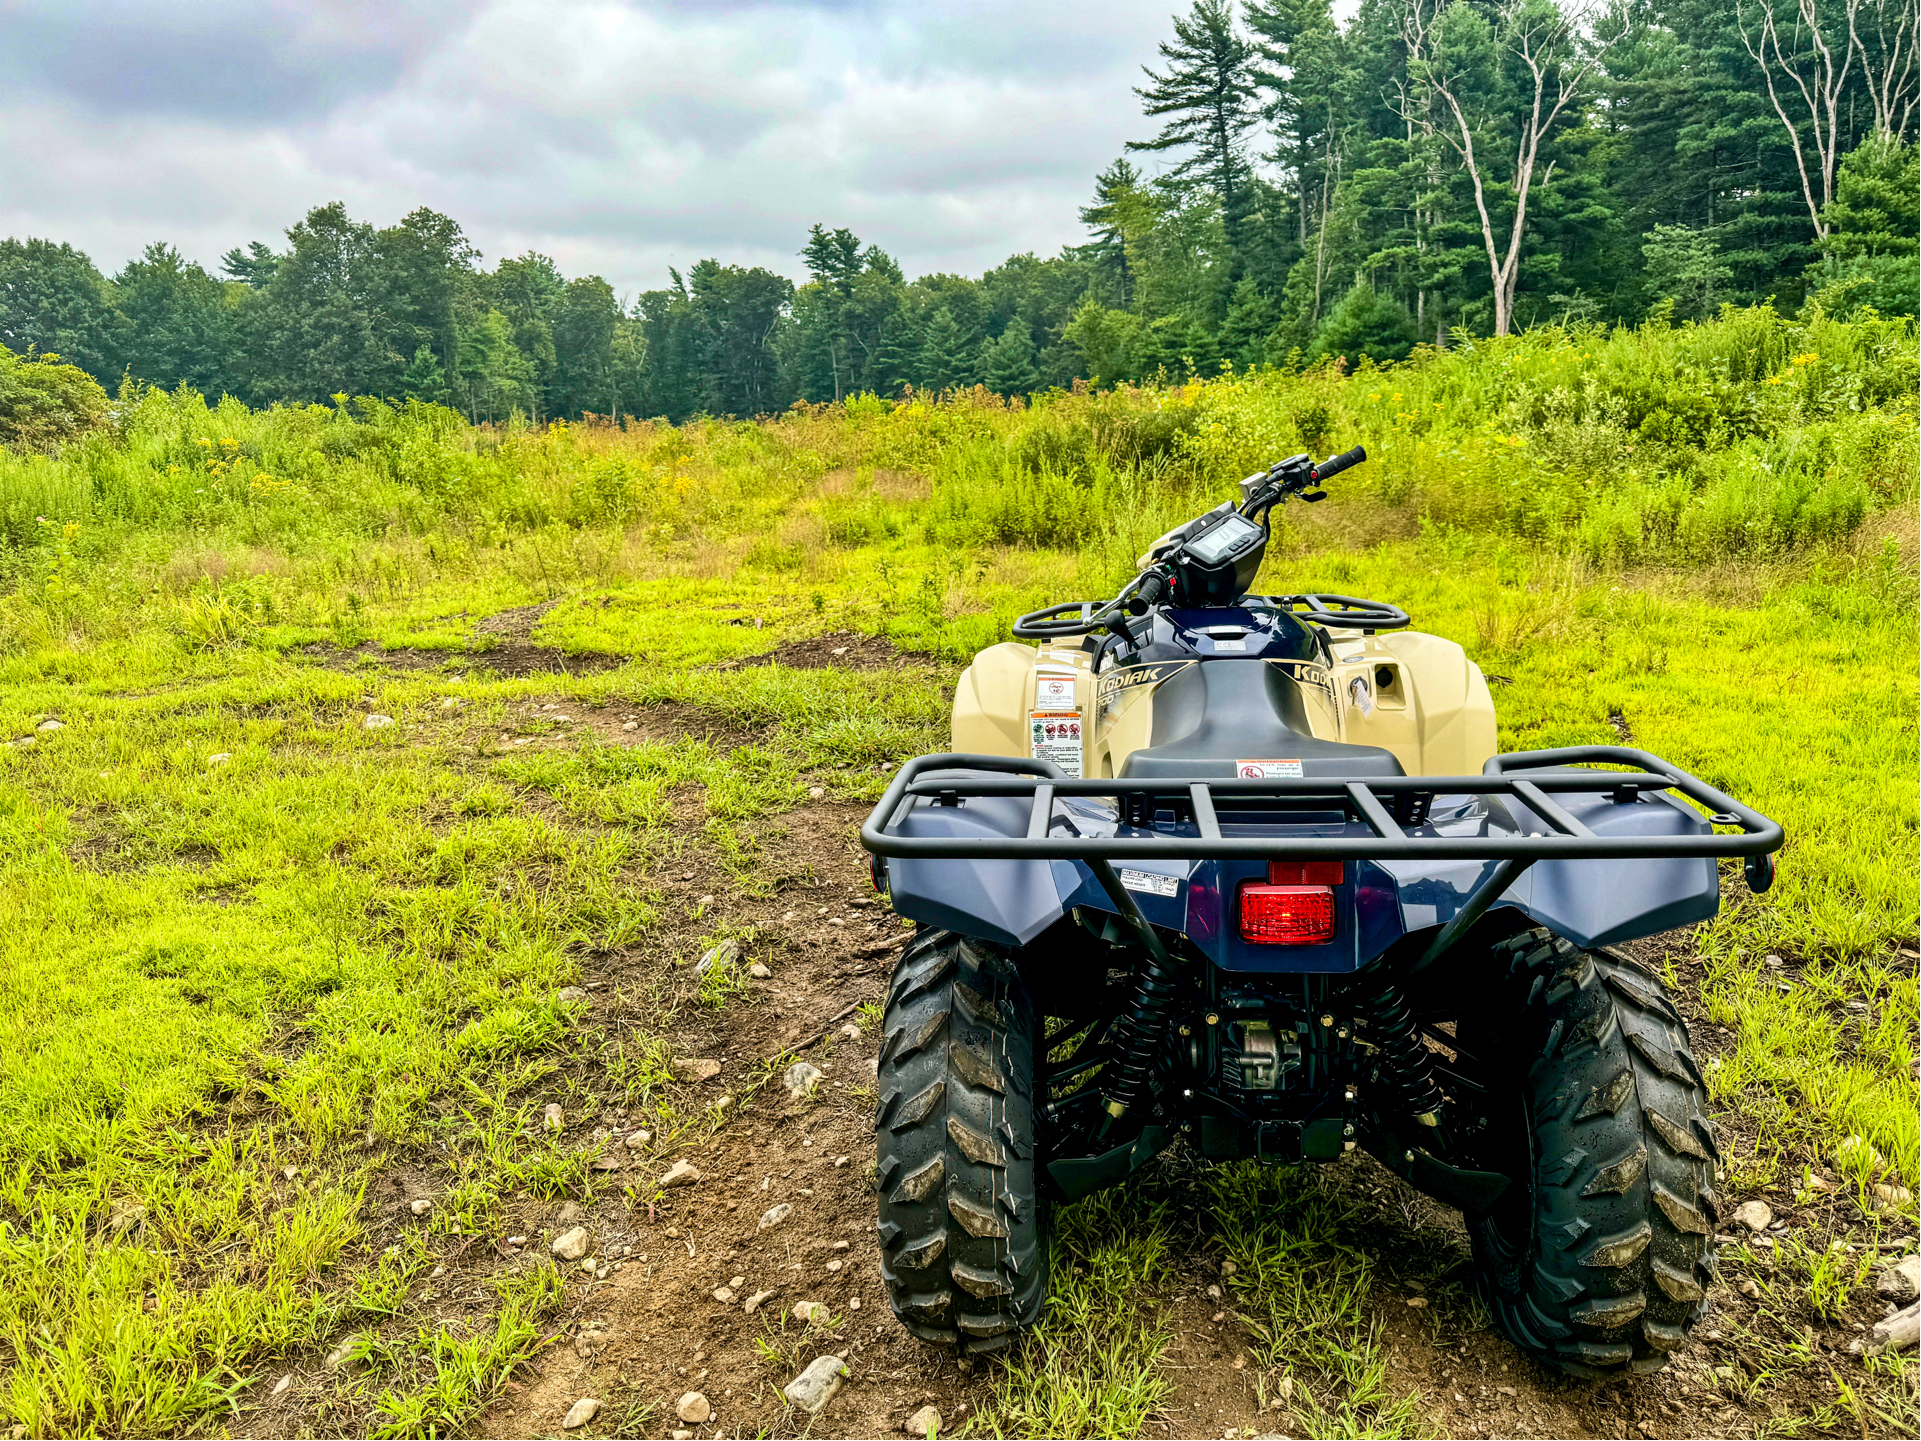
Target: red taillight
<point x="1286" y="915"/>
<point x="1306" y="873"/>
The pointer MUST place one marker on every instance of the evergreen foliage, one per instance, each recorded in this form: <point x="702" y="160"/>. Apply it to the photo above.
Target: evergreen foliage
<point x="1425" y="172"/>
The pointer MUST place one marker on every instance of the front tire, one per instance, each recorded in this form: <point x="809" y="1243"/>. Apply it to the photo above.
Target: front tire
<point x="962" y="1230"/>
<point x="1598" y="1258"/>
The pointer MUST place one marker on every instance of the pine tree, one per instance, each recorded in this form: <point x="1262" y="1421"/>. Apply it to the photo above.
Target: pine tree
<point x="1365" y="323"/>
<point x="946" y="359"/>
<point x="423" y="379"/>
<point x="1870" y="248"/>
<point x="1307" y="76"/>
<point x="1208" y="90"/>
<point x="1116" y="207"/>
<point x="1684" y="270"/>
<point x="1007" y="364"/>
<point x="1250" y="317"/>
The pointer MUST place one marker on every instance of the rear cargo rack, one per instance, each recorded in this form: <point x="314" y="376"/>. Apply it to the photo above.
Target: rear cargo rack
<point x="1386" y="805"/>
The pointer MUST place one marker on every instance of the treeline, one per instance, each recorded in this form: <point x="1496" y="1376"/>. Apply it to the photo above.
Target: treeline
<point x="1431" y="171"/>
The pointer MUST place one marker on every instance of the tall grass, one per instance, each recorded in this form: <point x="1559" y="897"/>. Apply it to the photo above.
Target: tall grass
<point x="1749" y="435"/>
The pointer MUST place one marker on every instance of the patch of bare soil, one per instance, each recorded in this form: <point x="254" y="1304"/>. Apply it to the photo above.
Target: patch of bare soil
<point x="784" y="1203"/>
<point x="837" y="650"/>
<point x="501" y="644"/>
<point x="560" y="723"/>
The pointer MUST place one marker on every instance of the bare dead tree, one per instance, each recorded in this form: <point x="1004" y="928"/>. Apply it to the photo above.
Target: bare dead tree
<point x="1804" y="67"/>
<point x="1546" y="41"/>
<point x="1888" y="63"/>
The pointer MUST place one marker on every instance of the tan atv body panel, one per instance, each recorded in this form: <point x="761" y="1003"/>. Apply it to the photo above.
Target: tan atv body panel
<point x="1431" y="706"/>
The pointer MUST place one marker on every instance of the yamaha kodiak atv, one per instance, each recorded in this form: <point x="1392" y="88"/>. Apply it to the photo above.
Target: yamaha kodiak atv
<point x="1247" y="870"/>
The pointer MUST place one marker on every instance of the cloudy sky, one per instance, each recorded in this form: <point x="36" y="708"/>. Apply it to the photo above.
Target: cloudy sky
<point x="619" y="136"/>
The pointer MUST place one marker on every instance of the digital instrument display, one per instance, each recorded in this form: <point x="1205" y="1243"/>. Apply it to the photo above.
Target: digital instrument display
<point x="1232" y="535"/>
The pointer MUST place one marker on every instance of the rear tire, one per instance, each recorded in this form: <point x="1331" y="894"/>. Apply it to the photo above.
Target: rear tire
<point x="1598" y="1258"/>
<point x="962" y="1230"/>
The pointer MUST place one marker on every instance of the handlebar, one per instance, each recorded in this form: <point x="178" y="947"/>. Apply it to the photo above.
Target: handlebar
<point x="1293" y="478"/>
<point x="1335" y="464"/>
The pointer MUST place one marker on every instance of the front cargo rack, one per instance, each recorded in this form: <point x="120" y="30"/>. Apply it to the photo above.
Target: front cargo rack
<point x="1386" y="805"/>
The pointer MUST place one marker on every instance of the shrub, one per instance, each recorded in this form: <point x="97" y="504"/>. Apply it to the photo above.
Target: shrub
<point x="43" y="402"/>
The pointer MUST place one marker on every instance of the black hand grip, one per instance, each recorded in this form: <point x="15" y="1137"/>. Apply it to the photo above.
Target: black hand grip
<point x="1152" y="589"/>
<point x="1335" y="464"/>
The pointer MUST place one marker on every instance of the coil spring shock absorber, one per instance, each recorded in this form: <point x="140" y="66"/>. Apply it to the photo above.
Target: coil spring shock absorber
<point x="1141" y="1031"/>
<point x="1406" y="1065"/>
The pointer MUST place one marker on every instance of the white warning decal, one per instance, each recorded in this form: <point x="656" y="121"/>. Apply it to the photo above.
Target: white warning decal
<point x="1053" y="689"/>
<point x="1267" y="770"/>
<point x="1056" y="736"/>
<point x="1150" y="883"/>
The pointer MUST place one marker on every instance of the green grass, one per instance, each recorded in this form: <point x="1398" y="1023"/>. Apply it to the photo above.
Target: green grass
<point x="1092" y="1367"/>
<point x="338" y="948"/>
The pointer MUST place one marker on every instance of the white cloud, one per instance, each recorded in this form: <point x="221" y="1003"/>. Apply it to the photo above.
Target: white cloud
<point x="618" y="137"/>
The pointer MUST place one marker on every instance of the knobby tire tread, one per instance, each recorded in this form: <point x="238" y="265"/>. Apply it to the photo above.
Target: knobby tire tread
<point x="963" y="1249"/>
<point x="1616" y="1271"/>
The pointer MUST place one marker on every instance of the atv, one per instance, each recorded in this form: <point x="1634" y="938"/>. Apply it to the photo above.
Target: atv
<point x="1246" y="871"/>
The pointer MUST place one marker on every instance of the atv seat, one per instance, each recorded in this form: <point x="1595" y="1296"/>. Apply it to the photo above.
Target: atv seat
<point x="1216" y="713"/>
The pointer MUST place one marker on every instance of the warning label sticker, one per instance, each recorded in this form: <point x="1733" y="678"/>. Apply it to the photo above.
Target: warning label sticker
<point x="1053" y="690"/>
<point x="1056" y="736"/>
<point x="1267" y="770"/>
<point x="1152" y="884"/>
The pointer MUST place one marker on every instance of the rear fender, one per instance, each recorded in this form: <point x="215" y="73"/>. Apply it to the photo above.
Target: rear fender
<point x="1008" y="902"/>
<point x="1602" y="903"/>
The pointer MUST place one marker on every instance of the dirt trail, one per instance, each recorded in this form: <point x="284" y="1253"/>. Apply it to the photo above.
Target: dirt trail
<point x="654" y="1329"/>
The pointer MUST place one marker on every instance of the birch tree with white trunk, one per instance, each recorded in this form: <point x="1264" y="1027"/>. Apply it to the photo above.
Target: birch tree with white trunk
<point x="1496" y="85"/>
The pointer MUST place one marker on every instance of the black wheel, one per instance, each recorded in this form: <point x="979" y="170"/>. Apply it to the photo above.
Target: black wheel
<point x="1598" y="1257"/>
<point x="962" y="1229"/>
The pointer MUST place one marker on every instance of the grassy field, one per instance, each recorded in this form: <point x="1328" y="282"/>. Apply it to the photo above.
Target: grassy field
<point x="267" y="947"/>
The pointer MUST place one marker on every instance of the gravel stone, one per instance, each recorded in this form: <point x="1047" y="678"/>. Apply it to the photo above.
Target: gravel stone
<point x="924" y="1422"/>
<point x="774" y="1215"/>
<point x="377" y="722"/>
<point x="681" y="1173"/>
<point x="694" y="1408"/>
<point x="569" y="995"/>
<point x="800" y="1079"/>
<point x="421" y="1207"/>
<point x="1900" y="1281"/>
<point x="50" y="725"/>
<point x="760" y="972"/>
<point x="1755" y="1215"/>
<point x="580" y="1413"/>
<point x="809" y="1313"/>
<point x="638" y="1139"/>
<point x="693" y="1069"/>
<point x="815" y="1387"/>
<point x="572" y="1245"/>
<point x="754" y="1302"/>
<point x="219" y="758"/>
